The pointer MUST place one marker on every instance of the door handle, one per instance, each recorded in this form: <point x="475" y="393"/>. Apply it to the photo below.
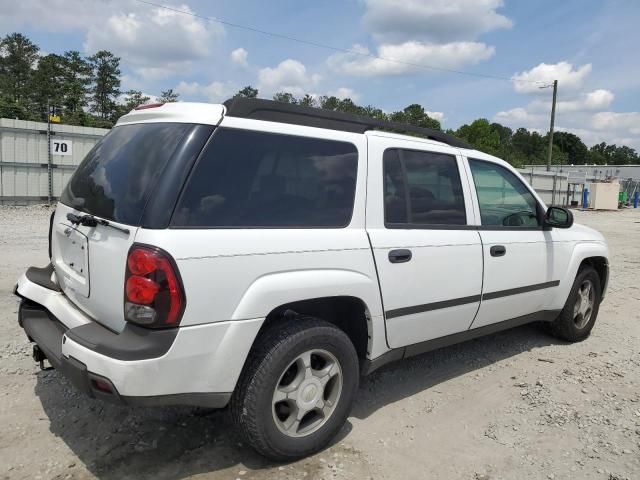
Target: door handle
<point x="400" y="256"/>
<point x="498" y="250"/>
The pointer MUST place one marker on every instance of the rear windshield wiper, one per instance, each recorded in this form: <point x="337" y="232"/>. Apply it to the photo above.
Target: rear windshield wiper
<point x="91" y="221"/>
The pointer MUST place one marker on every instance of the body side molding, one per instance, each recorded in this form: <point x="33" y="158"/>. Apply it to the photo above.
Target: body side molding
<point x="399" y="312"/>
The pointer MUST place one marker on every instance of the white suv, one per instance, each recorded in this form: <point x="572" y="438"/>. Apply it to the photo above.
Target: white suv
<point x="265" y="255"/>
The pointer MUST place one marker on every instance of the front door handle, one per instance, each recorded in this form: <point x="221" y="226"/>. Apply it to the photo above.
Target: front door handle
<point x="400" y="256"/>
<point x="498" y="251"/>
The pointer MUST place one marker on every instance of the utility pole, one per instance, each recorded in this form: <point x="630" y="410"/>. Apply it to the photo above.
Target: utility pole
<point x="553" y="118"/>
<point x="49" y="162"/>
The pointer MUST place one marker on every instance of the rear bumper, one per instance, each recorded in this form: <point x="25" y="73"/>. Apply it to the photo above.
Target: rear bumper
<point x="194" y="365"/>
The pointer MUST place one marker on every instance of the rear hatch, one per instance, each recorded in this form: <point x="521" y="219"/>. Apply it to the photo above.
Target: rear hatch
<point x="109" y="192"/>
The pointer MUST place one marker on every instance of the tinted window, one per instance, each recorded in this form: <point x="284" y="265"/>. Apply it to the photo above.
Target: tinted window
<point x="422" y="188"/>
<point x="116" y="177"/>
<point x="257" y="179"/>
<point x="504" y="200"/>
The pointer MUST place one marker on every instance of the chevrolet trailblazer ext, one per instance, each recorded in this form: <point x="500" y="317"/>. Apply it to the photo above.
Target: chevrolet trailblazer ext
<point x="264" y="255"/>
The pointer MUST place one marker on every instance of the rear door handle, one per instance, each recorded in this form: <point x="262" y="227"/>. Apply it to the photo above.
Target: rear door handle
<point x="400" y="256"/>
<point x="498" y="251"/>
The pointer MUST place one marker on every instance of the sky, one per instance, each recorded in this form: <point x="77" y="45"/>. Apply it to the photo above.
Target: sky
<point x="589" y="46"/>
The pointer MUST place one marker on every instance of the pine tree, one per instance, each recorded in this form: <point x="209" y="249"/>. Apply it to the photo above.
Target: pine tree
<point x="18" y="56"/>
<point x="106" y="85"/>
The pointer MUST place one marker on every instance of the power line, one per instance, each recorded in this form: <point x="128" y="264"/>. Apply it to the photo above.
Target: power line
<point x="331" y="47"/>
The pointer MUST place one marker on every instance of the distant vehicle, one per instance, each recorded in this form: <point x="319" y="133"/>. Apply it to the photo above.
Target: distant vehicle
<point x="266" y="255"/>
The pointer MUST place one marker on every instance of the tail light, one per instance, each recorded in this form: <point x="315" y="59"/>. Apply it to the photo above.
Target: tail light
<point x="153" y="293"/>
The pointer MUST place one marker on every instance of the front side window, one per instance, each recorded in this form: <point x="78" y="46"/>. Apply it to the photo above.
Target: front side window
<point x="504" y="200"/>
<point x="257" y="179"/>
<point x="422" y="189"/>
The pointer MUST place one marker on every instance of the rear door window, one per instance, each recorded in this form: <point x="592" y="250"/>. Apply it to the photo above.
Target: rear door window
<point x="255" y="179"/>
<point x="116" y="178"/>
<point x="422" y="189"/>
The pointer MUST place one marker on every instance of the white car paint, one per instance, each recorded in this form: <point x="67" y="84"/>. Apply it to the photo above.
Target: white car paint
<point x="233" y="278"/>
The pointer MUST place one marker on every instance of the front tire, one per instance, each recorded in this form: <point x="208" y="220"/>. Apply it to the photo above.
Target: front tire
<point x="581" y="309"/>
<point x="297" y="388"/>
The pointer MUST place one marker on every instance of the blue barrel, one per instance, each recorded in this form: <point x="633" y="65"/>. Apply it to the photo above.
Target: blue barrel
<point x="585" y="198"/>
<point x="636" y="197"/>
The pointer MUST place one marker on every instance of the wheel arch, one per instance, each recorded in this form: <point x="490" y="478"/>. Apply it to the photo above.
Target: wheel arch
<point x="601" y="265"/>
<point x="593" y="254"/>
<point x="350" y="314"/>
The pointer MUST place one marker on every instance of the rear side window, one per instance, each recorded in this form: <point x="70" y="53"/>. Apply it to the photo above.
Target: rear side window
<point x="258" y="179"/>
<point x="422" y="189"/>
<point x="117" y="176"/>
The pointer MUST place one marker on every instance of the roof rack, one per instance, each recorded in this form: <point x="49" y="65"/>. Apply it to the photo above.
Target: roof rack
<point x="273" y="111"/>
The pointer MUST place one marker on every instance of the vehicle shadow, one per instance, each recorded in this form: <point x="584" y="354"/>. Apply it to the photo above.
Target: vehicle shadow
<point x="407" y="377"/>
<point x="176" y="442"/>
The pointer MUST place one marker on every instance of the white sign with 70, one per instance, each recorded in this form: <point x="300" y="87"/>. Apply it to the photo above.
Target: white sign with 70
<point x="61" y="147"/>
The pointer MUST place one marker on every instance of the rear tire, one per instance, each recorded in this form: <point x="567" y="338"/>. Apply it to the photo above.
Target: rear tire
<point x="297" y="388"/>
<point x="579" y="314"/>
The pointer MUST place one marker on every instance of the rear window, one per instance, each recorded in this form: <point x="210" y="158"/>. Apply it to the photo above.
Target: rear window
<point x="261" y="180"/>
<point x="117" y="176"/>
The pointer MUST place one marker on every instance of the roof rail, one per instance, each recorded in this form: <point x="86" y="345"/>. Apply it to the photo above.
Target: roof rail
<point x="273" y="111"/>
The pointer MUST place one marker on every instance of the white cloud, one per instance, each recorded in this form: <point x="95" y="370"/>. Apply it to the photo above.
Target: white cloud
<point x="569" y="77"/>
<point x="627" y="121"/>
<point x="154" y="42"/>
<point x="435" y="115"/>
<point x="289" y="76"/>
<point x="213" y="92"/>
<point x="592" y="128"/>
<point x="345" y="92"/>
<point x="239" y="57"/>
<point x="417" y="33"/>
<point x="592" y="101"/>
<point x="597" y="100"/>
<point x="143" y="40"/>
<point x="53" y="15"/>
<point x="395" y="21"/>
<point x="407" y="56"/>
<point x="584" y="114"/>
<point x="518" y="117"/>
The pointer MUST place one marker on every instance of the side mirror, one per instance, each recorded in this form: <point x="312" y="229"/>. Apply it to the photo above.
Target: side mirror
<point x="558" y="217"/>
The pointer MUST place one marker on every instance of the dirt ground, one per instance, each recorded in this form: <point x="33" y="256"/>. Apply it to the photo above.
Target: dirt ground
<point x="513" y="405"/>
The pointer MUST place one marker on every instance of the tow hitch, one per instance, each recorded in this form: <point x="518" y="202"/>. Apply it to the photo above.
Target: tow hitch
<point x="40" y="357"/>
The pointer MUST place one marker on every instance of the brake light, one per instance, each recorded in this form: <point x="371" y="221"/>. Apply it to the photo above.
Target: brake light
<point x="153" y="294"/>
<point x="148" y="105"/>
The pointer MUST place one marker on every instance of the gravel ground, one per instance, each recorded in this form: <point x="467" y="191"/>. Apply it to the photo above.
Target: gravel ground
<point x="513" y="405"/>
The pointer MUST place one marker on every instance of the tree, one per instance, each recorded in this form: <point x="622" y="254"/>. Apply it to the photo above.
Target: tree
<point x="132" y="99"/>
<point x="247" y="92"/>
<point x="505" y="133"/>
<point x="624" y="156"/>
<point x="106" y="84"/>
<point x="18" y="56"/>
<point x="285" y="97"/>
<point x="415" y="114"/>
<point x="531" y="145"/>
<point x="570" y="144"/>
<point x="308" y="101"/>
<point x="76" y="80"/>
<point x="480" y="134"/>
<point x="45" y="87"/>
<point x="168" y="96"/>
<point x="329" y="102"/>
<point x="374" y="112"/>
